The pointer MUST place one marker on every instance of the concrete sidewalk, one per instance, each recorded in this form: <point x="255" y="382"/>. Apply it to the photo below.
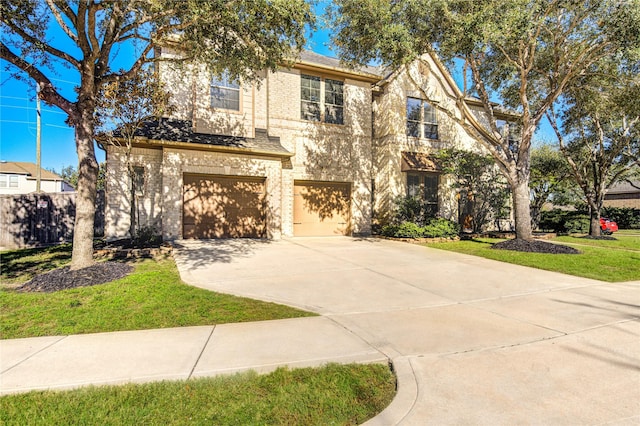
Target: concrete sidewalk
<point x="62" y="362"/>
<point x="472" y="341"/>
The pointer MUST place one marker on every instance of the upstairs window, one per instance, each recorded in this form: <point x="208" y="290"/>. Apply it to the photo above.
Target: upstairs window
<point x="315" y="107"/>
<point x="422" y="121"/>
<point x="138" y="180"/>
<point x="310" y="97"/>
<point x="225" y="93"/>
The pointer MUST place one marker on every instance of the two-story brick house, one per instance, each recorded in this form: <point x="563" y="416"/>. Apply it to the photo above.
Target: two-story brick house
<point x="308" y="150"/>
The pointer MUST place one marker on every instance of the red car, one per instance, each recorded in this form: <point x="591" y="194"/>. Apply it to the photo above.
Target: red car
<point x="607" y="226"/>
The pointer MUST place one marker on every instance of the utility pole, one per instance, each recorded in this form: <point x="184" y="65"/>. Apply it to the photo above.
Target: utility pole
<point x="38" y="166"/>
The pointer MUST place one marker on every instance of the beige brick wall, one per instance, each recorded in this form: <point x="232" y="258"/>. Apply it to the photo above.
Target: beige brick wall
<point x="390" y="137"/>
<point x="176" y="162"/>
<point x="118" y="184"/>
<point x="324" y="152"/>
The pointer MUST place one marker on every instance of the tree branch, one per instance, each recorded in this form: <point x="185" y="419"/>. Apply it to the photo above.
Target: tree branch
<point x="68" y="12"/>
<point x="48" y="92"/>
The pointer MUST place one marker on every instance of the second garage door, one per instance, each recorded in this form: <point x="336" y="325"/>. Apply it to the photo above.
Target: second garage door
<point x="223" y="207"/>
<point x="321" y="209"/>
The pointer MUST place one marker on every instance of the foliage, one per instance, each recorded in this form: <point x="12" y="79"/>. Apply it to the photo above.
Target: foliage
<point x="599" y="260"/>
<point x="521" y="53"/>
<point x="481" y="187"/>
<point x="550" y="180"/>
<point x="70" y="175"/>
<point x="435" y="228"/>
<point x="411" y="209"/>
<point x="564" y="221"/>
<point x="330" y="395"/>
<point x="240" y="38"/>
<point x="625" y="217"/>
<point x="153" y="296"/>
<point x="600" y="132"/>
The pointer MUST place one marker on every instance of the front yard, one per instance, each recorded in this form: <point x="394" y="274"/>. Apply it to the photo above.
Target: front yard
<point x="606" y="260"/>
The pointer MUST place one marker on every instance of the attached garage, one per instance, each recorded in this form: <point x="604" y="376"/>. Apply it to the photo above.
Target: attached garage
<point x="321" y="208"/>
<point x="223" y="207"/>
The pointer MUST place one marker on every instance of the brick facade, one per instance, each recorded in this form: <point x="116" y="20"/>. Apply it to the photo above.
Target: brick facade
<point x="364" y="152"/>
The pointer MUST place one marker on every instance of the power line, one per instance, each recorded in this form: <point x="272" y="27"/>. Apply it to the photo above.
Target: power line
<point x="32" y="108"/>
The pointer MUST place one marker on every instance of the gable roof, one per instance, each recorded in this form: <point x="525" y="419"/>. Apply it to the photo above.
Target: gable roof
<point x="28" y="169"/>
<point x="181" y="132"/>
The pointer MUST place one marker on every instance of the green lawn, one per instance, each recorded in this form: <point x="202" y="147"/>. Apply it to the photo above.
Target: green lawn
<point x="153" y="296"/>
<point x="622" y="241"/>
<point x="332" y="395"/>
<point x="613" y="261"/>
<point x="19" y="266"/>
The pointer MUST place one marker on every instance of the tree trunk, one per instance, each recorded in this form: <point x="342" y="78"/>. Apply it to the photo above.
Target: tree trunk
<point x="594" y="225"/>
<point x="521" y="207"/>
<point x="82" y="255"/>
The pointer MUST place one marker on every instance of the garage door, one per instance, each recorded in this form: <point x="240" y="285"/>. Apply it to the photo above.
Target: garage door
<point x="223" y="207"/>
<point x="321" y="208"/>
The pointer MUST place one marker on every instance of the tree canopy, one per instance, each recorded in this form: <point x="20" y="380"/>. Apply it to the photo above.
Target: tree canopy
<point x="110" y="41"/>
<point x="522" y="54"/>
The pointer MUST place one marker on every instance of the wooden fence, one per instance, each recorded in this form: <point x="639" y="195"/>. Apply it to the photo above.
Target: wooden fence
<point x="40" y="219"/>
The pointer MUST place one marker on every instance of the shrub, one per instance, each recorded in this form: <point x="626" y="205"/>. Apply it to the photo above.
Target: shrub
<point x="441" y="228"/>
<point x="436" y="228"/>
<point x="564" y="221"/>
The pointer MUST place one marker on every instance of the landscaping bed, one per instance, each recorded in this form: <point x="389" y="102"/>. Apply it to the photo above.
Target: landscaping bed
<point x="64" y="278"/>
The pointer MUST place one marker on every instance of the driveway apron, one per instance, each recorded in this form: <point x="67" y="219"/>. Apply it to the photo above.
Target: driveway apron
<point x="473" y="341"/>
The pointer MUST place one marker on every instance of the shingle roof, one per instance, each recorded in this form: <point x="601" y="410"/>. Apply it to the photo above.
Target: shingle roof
<point x="172" y="130"/>
<point x="327" y="61"/>
<point x="624" y="187"/>
<point x="28" y="169"/>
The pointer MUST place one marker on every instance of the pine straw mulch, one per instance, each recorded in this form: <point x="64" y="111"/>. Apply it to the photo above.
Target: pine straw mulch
<point x="534" y="246"/>
<point x="63" y="278"/>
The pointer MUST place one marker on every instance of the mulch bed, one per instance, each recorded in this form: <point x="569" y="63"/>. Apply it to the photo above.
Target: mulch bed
<point x="534" y="246"/>
<point x="63" y="278"/>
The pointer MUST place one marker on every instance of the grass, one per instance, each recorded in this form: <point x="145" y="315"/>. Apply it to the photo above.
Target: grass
<point x="19" y="266"/>
<point x="612" y="261"/>
<point x="153" y="296"/>
<point x="332" y="395"/>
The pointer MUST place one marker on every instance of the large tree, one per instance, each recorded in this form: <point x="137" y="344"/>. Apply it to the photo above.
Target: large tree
<point x="521" y="54"/>
<point x="599" y="131"/>
<point x="40" y="37"/>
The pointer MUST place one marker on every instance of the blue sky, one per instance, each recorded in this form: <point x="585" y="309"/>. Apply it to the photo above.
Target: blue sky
<point x="18" y="113"/>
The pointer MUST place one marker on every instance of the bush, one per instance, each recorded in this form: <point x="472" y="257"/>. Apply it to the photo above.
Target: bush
<point x="435" y="228"/>
<point x="563" y="221"/>
<point x="441" y="228"/>
<point x="625" y="217"/>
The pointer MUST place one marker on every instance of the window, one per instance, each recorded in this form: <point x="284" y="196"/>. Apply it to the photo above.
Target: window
<point x="310" y="98"/>
<point x="424" y="186"/>
<point x="225" y="93"/>
<point x="313" y="107"/>
<point x="421" y="119"/>
<point x="511" y="131"/>
<point x="8" y="181"/>
<point x="138" y="180"/>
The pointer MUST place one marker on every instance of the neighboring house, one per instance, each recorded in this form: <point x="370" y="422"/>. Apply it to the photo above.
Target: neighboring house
<point x="20" y="178"/>
<point x="623" y="194"/>
<point x="308" y="150"/>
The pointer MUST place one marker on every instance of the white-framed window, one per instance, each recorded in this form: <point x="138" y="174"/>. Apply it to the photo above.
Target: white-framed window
<point x="225" y="93"/>
<point x="511" y="131"/>
<point x="422" y="121"/>
<point x="316" y="107"/>
<point x="9" y="181"/>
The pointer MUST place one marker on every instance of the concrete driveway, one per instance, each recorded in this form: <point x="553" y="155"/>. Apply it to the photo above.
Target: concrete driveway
<point x="473" y="341"/>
